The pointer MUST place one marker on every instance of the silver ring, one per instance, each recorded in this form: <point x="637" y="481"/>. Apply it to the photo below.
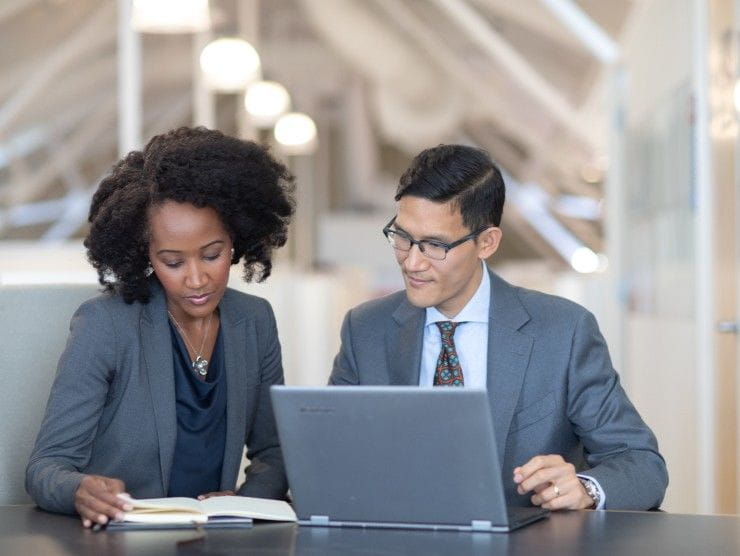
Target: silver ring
<point x="557" y="490"/>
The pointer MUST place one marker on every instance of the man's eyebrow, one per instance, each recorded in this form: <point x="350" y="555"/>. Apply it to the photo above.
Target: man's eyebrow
<point x="427" y="238"/>
<point x="436" y="238"/>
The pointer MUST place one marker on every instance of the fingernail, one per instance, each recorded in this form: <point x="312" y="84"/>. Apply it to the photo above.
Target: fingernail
<point x="517" y="478"/>
<point x="102" y="519"/>
<point x="127" y="507"/>
<point x="119" y="516"/>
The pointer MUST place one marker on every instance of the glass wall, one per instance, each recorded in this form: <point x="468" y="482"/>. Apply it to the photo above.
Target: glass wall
<point x="659" y="227"/>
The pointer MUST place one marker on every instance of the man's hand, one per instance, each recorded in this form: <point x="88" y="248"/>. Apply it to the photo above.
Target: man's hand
<point x="554" y="483"/>
<point x="96" y="500"/>
<point x="218" y="493"/>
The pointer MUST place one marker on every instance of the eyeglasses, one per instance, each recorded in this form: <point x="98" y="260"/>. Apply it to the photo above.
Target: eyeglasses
<point x="430" y="248"/>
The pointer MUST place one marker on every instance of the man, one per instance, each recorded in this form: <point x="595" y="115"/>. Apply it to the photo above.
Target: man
<point x="567" y="435"/>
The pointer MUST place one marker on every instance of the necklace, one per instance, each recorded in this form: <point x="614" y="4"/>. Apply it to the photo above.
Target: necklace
<point x="200" y="364"/>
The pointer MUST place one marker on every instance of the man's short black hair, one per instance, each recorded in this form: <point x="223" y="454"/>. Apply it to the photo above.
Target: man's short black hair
<point x="465" y="175"/>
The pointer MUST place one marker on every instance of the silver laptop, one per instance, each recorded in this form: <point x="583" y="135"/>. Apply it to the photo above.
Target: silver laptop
<point x="394" y="456"/>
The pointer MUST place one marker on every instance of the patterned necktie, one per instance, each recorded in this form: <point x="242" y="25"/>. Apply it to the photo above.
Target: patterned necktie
<point x="448" y="371"/>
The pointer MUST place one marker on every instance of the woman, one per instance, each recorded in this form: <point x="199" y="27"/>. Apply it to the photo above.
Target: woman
<point x="167" y="373"/>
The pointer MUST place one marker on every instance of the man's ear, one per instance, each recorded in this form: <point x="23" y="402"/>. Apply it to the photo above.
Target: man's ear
<point x="488" y="242"/>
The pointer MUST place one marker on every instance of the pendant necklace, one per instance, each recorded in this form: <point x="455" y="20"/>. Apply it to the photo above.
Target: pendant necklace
<point x="200" y="364"/>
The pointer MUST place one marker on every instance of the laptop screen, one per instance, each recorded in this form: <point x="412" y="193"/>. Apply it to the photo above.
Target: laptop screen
<point x="391" y="456"/>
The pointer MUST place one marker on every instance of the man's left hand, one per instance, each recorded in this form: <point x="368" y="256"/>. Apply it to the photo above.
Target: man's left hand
<point x="554" y="483"/>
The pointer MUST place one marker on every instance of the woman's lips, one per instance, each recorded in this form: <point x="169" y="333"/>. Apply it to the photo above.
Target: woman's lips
<point x="199" y="299"/>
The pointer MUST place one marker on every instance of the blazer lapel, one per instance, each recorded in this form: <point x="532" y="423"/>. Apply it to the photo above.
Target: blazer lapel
<point x="240" y="362"/>
<point x="403" y="345"/>
<point x="157" y="347"/>
<point x="508" y="356"/>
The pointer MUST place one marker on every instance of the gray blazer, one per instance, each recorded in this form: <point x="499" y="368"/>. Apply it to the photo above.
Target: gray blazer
<point x="111" y="410"/>
<point x="550" y="380"/>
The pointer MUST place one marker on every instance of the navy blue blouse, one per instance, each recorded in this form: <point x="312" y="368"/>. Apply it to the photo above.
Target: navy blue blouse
<point x="201" y="422"/>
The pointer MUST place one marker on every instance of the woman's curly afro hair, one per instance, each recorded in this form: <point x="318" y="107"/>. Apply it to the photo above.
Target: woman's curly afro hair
<point x="250" y="190"/>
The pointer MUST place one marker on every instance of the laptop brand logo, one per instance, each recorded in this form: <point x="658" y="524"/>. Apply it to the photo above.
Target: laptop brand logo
<point x="316" y="409"/>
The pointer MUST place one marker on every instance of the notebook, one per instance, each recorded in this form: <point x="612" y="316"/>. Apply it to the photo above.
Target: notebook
<point x="215" y="512"/>
<point x="394" y="456"/>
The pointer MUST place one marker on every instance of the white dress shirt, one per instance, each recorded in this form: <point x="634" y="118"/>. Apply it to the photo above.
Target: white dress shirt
<point x="471" y="338"/>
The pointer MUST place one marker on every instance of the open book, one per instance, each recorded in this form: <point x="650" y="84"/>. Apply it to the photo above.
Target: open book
<point x="232" y="510"/>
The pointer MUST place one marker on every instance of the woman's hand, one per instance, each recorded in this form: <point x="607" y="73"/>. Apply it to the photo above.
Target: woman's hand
<point x="212" y="494"/>
<point x="96" y="500"/>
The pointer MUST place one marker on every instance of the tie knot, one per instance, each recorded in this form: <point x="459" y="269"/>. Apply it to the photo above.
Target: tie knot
<point x="447" y="328"/>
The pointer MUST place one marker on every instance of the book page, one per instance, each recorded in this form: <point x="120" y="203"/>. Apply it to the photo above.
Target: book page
<point x="174" y="504"/>
<point x="256" y="508"/>
<point x="164" y="517"/>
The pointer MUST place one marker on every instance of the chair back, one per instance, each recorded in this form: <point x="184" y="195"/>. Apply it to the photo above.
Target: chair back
<point x="34" y="325"/>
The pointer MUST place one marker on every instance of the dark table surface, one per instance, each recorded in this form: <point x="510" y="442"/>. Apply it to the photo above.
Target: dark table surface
<point x="28" y="531"/>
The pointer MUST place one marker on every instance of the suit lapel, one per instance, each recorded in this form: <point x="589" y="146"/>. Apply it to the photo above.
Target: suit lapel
<point x="403" y="344"/>
<point x="508" y="355"/>
<point x="157" y="347"/>
<point x="240" y="362"/>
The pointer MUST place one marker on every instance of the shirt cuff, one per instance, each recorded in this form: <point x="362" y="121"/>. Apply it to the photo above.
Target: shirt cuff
<point x="602" y="495"/>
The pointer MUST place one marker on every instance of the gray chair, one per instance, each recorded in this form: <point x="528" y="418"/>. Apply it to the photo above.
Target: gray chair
<point x="34" y="321"/>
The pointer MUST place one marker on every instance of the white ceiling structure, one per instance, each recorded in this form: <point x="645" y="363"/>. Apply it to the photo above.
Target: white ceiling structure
<point x="527" y="80"/>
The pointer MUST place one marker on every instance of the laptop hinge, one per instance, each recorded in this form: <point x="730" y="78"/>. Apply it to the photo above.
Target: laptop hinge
<point x="319" y="520"/>
<point x="480" y="525"/>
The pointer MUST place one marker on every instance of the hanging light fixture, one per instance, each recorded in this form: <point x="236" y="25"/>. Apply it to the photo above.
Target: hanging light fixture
<point x="170" y="16"/>
<point x="229" y="64"/>
<point x="585" y="261"/>
<point x="296" y="133"/>
<point x="265" y="102"/>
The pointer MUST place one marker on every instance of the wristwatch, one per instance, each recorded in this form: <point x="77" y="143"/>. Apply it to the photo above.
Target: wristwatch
<point x="591" y="490"/>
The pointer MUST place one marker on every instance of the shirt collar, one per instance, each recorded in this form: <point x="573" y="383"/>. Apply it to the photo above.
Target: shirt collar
<point x="475" y="310"/>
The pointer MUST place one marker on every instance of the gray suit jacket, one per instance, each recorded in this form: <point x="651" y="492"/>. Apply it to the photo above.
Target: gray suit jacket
<point x="551" y="385"/>
<point x="111" y="410"/>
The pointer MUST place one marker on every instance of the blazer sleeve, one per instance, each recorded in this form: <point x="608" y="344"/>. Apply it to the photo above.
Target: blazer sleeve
<point x="620" y="449"/>
<point x="76" y="402"/>
<point x="344" y="370"/>
<point x="265" y="475"/>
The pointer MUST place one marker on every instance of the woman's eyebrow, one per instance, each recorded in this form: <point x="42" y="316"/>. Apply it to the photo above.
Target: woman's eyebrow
<point x="206" y="246"/>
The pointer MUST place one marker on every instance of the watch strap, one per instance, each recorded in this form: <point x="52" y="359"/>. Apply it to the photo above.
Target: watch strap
<point x="591" y="490"/>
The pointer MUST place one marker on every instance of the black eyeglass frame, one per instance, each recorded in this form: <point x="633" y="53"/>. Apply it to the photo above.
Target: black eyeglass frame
<point x="421" y="242"/>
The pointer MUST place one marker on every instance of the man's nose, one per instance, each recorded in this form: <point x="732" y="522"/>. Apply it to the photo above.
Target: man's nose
<point x="415" y="259"/>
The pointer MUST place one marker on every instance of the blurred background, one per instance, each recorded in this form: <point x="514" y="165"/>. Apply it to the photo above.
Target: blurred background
<point x="615" y="122"/>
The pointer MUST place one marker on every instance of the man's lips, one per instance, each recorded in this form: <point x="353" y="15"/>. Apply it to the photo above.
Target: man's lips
<point x="417" y="282"/>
